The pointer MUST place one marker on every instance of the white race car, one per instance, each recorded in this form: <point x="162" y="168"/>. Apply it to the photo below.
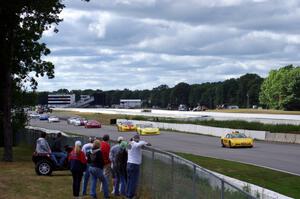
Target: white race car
<point x="71" y="120"/>
<point x="53" y="119"/>
<point x="79" y="122"/>
<point x="34" y="115"/>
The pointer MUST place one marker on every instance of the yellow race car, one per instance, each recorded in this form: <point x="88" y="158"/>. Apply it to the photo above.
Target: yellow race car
<point x="126" y="126"/>
<point x="147" y="129"/>
<point x="236" y="139"/>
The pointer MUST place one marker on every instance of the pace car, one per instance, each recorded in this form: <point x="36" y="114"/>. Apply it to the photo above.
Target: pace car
<point x="126" y="126"/>
<point x="147" y="129"/>
<point x="236" y="139"/>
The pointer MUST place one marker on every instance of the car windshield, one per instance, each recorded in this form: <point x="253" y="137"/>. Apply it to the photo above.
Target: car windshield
<point x="146" y="125"/>
<point x="127" y="123"/>
<point x="239" y="135"/>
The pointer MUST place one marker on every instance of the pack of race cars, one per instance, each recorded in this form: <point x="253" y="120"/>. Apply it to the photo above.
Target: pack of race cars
<point x="141" y="129"/>
<point x="77" y="121"/>
<point x="231" y="139"/>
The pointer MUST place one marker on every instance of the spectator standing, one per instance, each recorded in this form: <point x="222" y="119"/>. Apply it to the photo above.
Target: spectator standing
<point x="120" y="168"/>
<point x="112" y="157"/>
<point x="105" y="149"/>
<point x="113" y="151"/>
<point x="133" y="164"/>
<point x="77" y="162"/>
<point x="96" y="169"/>
<point x="57" y="150"/>
<point x="87" y="148"/>
<point x="42" y="146"/>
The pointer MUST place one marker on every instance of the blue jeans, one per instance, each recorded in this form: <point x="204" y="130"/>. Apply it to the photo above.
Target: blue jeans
<point x="133" y="172"/>
<point x="62" y="156"/>
<point x="97" y="173"/>
<point x="52" y="156"/>
<point x="86" y="178"/>
<point x="120" y="179"/>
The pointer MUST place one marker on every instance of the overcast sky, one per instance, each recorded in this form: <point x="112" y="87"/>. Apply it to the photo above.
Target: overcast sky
<point x="141" y="44"/>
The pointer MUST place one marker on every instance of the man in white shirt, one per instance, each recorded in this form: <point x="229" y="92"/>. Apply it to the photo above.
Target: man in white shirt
<point x="133" y="164"/>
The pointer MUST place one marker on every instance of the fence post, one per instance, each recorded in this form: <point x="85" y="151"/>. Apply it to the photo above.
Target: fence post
<point x="194" y="181"/>
<point x="172" y="177"/>
<point x="152" y="171"/>
<point x="222" y="189"/>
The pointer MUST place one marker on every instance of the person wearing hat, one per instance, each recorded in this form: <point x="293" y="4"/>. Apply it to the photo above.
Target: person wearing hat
<point x="77" y="162"/>
<point x="87" y="148"/>
<point x="114" y="154"/>
<point x="133" y="164"/>
<point x="120" y="168"/>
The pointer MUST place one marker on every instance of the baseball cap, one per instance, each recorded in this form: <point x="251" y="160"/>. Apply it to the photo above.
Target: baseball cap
<point x="120" y="139"/>
<point x="123" y="144"/>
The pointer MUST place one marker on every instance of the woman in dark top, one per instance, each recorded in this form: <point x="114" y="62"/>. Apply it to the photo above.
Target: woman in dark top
<point x="77" y="166"/>
<point x="96" y="163"/>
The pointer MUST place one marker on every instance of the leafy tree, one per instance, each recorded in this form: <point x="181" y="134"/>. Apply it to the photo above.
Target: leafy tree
<point x="248" y="89"/>
<point x="62" y="91"/>
<point x="281" y="89"/>
<point x="180" y="94"/>
<point x="21" y="27"/>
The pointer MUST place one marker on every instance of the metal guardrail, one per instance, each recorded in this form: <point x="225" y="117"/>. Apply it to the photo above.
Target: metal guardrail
<point x="165" y="175"/>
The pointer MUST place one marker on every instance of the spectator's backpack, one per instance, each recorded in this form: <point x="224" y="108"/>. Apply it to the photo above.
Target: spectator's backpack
<point x="121" y="159"/>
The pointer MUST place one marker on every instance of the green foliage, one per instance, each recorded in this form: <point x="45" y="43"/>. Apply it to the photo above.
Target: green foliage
<point x="233" y="124"/>
<point x="281" y="89"/>
<point x="180" y="94"/>
<point x="242" y="91"/>
<point x="280" y="182"/>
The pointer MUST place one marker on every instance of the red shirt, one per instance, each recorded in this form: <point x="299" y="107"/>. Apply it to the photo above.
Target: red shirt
<point x="105" y="148"/>
<point x="81" y="157"/>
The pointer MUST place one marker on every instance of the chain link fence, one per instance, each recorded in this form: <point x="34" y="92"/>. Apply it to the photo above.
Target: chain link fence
<point x="164" y="175"/>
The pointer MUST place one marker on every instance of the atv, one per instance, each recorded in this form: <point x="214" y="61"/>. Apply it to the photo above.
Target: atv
<point x="44" y="165"/>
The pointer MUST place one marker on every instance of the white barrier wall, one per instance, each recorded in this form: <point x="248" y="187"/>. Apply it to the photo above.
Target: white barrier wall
<point x="205" y="130"/>
<point x="283" y="137"/>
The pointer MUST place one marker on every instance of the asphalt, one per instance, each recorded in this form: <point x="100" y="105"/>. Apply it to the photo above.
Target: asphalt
<point x="283" y="157"/>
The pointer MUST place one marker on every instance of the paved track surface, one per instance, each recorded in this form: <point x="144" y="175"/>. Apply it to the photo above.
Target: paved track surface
<point x="285" y="157"/>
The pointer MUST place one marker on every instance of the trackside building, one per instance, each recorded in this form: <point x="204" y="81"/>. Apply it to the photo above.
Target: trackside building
<point x="61" y="100"/>
<point x="130" y="103"/>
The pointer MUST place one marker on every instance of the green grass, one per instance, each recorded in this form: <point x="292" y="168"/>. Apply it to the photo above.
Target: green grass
<point x="233" y="124"/>
<point x="257" y="111"/>
<point x="280" y="182"/>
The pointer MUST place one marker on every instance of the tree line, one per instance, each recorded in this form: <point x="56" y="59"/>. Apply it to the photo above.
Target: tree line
<point x="279" y="90"/>
<point x="242" y="91"/>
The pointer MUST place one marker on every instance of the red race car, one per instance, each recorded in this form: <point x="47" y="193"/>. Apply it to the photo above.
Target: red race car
<point x="92" y="124"/>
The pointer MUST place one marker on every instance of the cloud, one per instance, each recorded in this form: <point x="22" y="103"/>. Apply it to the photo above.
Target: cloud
<point x="140" y="44"/>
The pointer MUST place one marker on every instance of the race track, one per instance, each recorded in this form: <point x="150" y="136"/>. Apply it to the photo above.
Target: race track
<point x="284" y="157"/>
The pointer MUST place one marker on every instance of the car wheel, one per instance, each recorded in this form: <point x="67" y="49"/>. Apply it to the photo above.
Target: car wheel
<point x="43" y="167"/>
<point x="230" y="145"/>
<point x="222" y="143"/>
